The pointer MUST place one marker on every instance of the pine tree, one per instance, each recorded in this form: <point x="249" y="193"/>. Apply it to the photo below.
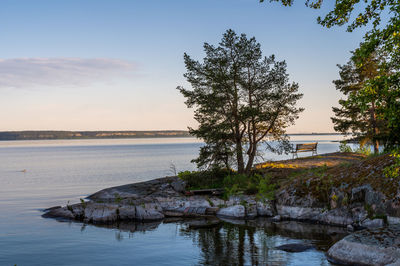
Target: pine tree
<point x="241" y="99"/>
<point x="360" y="112"/>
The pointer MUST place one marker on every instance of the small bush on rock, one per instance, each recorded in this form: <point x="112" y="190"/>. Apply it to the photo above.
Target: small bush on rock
<point x="393" y="171"/>
<point x="213" y="178"/>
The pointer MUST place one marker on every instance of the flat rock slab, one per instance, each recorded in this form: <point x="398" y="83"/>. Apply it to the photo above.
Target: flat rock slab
<point x="368" y="247"/>
<point x="157" y="187"/>
<point x="300" y="247"/>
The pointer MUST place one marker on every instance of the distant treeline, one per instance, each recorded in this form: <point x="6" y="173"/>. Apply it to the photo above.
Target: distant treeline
<point x="36" y="135"/>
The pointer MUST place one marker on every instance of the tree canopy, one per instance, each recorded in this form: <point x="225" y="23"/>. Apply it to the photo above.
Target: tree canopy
<point x="360" y="113"/>
<point x="383" y="19"/>
<point x="241" y="99"/>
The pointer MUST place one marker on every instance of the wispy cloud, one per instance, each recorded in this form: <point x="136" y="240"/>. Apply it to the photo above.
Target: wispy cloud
<point x="25" y="73"/>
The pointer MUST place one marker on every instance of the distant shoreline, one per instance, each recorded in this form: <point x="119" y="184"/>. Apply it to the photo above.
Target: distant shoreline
<point x="59" y="135"/>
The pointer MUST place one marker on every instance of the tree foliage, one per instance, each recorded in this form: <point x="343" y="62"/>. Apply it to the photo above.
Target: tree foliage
<point x="361" y="111"/>
<point x="383" y="18"/>
<point x="241" y="99"/>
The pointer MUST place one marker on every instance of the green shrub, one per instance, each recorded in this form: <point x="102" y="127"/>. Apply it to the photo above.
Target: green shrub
<point x="235" y="179"/>
<point x="345" y="200"/>
<point x="231" y="182"/>
<point x="393" y="171"/>
<point x="252" y="188"/>
<point x="366" y="150"/>
<point x="231" y="191"/>
<point x="266" y="189"/>
<point x="83" y="203"/>
<point x="117" y="198"/>
<point x="213" y="178"/>
<point x="343" y="147"/>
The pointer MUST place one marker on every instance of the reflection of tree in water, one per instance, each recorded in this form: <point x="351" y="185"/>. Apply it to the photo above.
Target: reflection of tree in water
<point x="254" y="243"/>
<point x="229" y="244"/>
<point x="250" y="242"/>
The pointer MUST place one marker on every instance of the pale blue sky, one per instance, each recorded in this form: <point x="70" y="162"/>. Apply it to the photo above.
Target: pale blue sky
<point x="115" y="65"/>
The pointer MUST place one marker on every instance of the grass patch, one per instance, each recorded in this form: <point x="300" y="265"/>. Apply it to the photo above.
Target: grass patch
<point x="230" y="181"/>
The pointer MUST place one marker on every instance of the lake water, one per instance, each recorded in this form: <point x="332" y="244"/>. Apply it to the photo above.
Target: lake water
<point x="39" y="174"/>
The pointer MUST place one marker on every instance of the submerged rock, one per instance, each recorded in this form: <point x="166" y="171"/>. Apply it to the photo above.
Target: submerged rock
<point x="368" y="247"/>
<point x="300" y="247"/>
<point x="276" y="218"/>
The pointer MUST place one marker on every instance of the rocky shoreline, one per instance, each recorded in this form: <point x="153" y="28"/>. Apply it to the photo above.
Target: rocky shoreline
<point x="161" y="198"/>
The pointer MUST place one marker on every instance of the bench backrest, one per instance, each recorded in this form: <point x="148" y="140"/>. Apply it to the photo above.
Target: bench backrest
<point x="306" y="147"/>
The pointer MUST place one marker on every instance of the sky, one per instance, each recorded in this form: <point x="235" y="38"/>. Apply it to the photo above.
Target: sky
<point x="115" y="64"/>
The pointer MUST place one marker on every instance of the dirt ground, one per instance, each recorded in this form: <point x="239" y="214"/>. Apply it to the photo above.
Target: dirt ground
<point x="328" y="159"/>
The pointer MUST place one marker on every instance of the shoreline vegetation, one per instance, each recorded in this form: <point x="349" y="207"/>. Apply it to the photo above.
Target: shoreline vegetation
<point x="53" y="134"/>
<point x="122" y="134"/>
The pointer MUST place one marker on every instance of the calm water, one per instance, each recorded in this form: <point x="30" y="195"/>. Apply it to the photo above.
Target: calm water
<point x="66" y="170"/>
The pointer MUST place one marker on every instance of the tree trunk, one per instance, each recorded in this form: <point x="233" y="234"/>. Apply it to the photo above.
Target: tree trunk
<point x="250" y="162"/>
<point x="239" y="156"/>
<point x="375" y="130"/>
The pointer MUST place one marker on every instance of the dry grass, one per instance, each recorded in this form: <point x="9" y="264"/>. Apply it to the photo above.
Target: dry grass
<point x="317" y="175"/>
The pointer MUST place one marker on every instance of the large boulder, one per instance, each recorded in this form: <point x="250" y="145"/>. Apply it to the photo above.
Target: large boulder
<point x="368" y="247"/>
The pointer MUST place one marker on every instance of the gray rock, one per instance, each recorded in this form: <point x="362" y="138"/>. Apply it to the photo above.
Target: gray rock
<point x="100" y="213"/>
<point x="147" y="214"/>
<point x="276" y="218"/>
<point x="358" y="193"/>
<point x="359" y="214"/>
<point x="251" y="210"/>
<point x="127" y="212"/>
<point x="179" y="185"/>
<point x="340" y="217"/>
<point x="368" y="247"/>
<point x="60" y="212"/>
<point x="265" y="209"/>
<point x="236" y="211"/>
<point x="151" y="200"/>
<point x="393" y="220"/>
<point x="375" y="223"/>
<point x="299" y="213"/>
<point x="350" y="228"/>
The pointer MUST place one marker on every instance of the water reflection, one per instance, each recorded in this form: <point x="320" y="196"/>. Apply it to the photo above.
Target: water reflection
<point x="254" y="242"/>
<point x="236" y="242"/>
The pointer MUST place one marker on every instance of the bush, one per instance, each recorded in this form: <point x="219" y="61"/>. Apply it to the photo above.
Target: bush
<point x="343" y="147"/>
<point x="266" y="189"/>
<point x="393" y="171"/>
<point x="363" y="149"/>
<point x="366" y="150"/>
<point x="236" y="179"/>
<point x="233" y="183"/>
<point x="213" y="178"/>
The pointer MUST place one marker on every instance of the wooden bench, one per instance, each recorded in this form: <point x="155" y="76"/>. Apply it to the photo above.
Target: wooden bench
<point x="305" y="147"/>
